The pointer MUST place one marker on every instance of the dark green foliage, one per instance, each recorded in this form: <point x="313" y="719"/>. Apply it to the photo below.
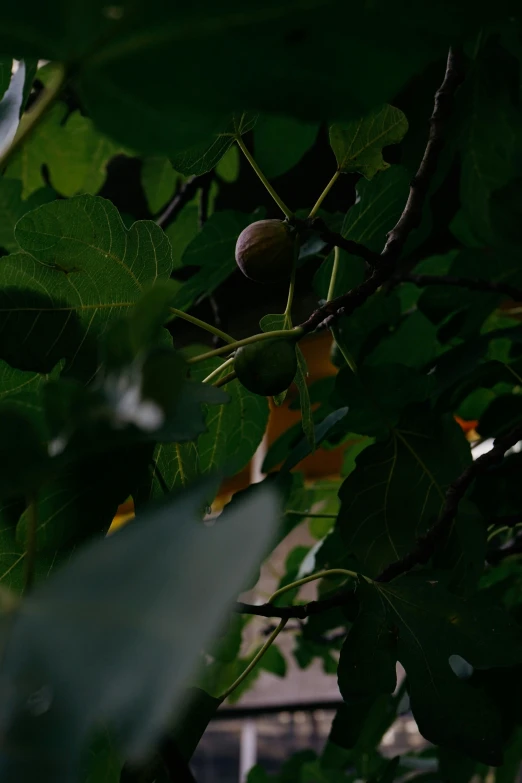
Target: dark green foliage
<point x="118" y="647"/>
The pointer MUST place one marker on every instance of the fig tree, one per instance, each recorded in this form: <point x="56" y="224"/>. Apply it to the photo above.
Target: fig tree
<point x="267" y="367"/>
<point x="265" y="250"/>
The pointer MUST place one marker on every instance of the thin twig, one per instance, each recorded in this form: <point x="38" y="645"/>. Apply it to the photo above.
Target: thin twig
<point x="225" y="379"/>
<point x="425" y="545"/>
<point x="299" y="612"/>
<point x="185" y="194"/>
<point x="411" y="216"/>
<point x="337" y="240"/>
<point x="204" y="193"/>
<point x="472" y="284"/>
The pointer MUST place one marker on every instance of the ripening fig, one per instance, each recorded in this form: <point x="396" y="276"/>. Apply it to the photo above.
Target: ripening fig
<point x="265" y="250"/>
<point x="266" y="367"/>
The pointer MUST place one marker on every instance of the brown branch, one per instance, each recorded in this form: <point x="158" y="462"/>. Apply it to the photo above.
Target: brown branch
<point x="300" y="612"/>
<point x="472" y="284"/>
<point x="185" y="194"/>
<point x="425" y="545"/>
<point x="412" y="213"/>
<point x="333" y="238"/>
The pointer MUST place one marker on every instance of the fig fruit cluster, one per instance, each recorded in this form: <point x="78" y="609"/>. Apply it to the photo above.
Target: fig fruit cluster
<point x="265" y="250"/>
<point x="266" y="367"/>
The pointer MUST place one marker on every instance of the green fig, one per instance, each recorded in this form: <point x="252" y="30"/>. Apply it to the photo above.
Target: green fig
<point x="266" y="367"/>
<point x="265" y="250"/>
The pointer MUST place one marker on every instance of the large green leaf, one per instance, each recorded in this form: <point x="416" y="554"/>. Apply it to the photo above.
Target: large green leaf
<point x="281" y="142"/>
<point x="83" y="500"/>
<point x="79" y="268"/>
<point x="74" y="153"/>
<point x="12" y="208"/>
<point x="416" y="621"/>
<point x="488" y="115"/>
<point x="418" y="461"/>
<point x="130" y="670"/>
<point x="129" y="63"/>
<point x="202" y="157"/>
<point x="13" y="566"/>
<point x="358" y="144"/>
<point x="378" y="207"/>
<point x="234" y="430"/>
<point x="158" y="179"/>
<point x="376" y="396"/>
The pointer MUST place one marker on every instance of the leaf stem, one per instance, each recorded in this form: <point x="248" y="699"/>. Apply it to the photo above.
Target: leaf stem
<point x="333" y="276"/>
<point x="313" y="577"/>
<point x="283" y="621"/>
<point x="218" y="370"/>
<point x="35" y="114"/>
<point x="291" y="290"/>
<point x="202" y="324"/>
<point x="255" y="660"/>
<point x="297" y="333"/>
<point x="32" y="527"/>
<point x="316" y="206"/>
<point x="280" y="203"/>
<point x="226" y="379"/>
<point x="348" y="358"/>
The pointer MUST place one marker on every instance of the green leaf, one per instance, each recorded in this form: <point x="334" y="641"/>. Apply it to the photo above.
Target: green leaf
<point x="129" y="671"/>
<point x="79" y="268"/>
<point x="416" y="621"/>
<point x="13" y="554"/>
<point x="213" y="251"/>
<point x="321" y="431"/>
<point x="83" y="500"/>
<point x="74" y="152"/>
<point x="141" y="329"/>
<point x="228" y="167"/>
<point x="358" y="144"/>
<point x="10" y="107"/>
<point x="24" y="460"/>
<point x="419" y="460"/>
<point x="413" y="343"/>
<point x="350" y="272"/>
<point x="281" y="142"/>
<point x="203" y="157"/>
<point x="177" y="464"/>
<point x="102" y="763"/>
<point x="13" y="208"/>
<point x="378" y="206"/>
<point x="181" y="233"/>
<point x="234" y="431"/>
<point x="488" y="115"/>
<point x="376" y="396"/>
<point x="158" y="179"/>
